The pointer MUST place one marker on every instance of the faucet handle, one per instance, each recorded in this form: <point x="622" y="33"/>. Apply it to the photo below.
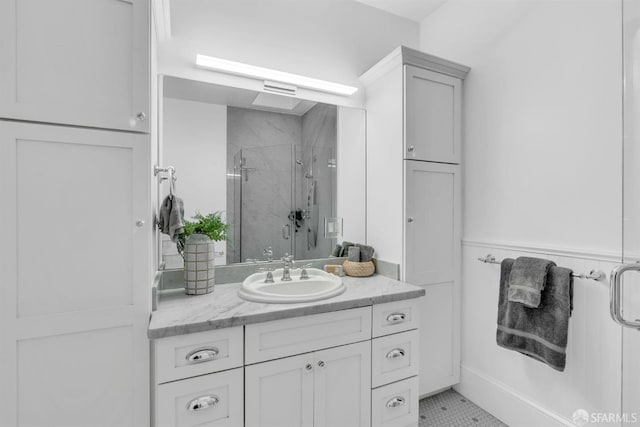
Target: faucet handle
<point x="303" y="274"/>
<point x="269" y="276"/>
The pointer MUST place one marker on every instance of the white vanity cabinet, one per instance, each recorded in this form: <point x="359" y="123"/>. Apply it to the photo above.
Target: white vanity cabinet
<point x="414" y="104"/>
<point x="339" y="368"/>
<point x="83" y="63"/>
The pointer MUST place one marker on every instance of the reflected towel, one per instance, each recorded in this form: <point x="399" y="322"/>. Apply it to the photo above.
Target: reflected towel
<point x="527" y="280"/>
<point x="540" y="333"/>
<point x="171" y="218"/>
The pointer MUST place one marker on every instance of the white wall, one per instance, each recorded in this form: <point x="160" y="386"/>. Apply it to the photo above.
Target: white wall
<point x="195" y="143"/>
<point x="351" y="172"/>
<point x="542" y="176"/>
<point x="335" y="40"/>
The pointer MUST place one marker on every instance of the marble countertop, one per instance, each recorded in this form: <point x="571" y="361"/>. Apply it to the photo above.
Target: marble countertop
<point x="179" y="314"/>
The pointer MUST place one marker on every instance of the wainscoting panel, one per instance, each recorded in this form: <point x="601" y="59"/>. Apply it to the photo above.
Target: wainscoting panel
<point x="520" y="390"/>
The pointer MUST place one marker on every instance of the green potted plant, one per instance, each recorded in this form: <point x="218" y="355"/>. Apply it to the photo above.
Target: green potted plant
<point x="199" y="254"/>
<point x="212" y="225"/>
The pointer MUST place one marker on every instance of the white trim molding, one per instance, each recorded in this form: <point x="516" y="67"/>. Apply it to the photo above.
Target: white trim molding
<point x="162" y="19"/>
<point x="505" y="403"/>
<point x="605" y="256"/>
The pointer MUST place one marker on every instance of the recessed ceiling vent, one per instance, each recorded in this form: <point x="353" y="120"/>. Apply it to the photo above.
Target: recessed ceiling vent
<point x="275" y="101"/>
<point x="278" y="87"/>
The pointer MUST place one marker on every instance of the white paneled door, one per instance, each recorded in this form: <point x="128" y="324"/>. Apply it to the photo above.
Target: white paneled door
<point x="432" y="260"/>
<point x="74" y="258"/>
<point x="76" y="62"/>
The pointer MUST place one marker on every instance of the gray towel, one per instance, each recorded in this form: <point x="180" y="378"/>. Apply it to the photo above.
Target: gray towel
<point x="540" y="333"/>
<point x="366" y="252"/>
<point x="171" y="217"/>
<point x="527" y="280"/>
<point x="345" y="248"/>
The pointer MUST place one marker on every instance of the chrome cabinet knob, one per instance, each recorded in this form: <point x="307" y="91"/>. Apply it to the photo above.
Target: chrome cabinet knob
<point x="321" y="364"/>
<point x="308" y="367"/>
<point x="202" y="402"/>
<point x="410" y="219"/>
<point x="139" y="223"/>
<point x="141" y="116"/>
<point x="411" y="148"/>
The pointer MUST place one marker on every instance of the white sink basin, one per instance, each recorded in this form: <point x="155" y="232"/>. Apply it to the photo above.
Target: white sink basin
<point x="320" y="285"/>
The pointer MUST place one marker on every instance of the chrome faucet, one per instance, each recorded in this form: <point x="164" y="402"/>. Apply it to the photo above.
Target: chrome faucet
<point x="286" y="268"/>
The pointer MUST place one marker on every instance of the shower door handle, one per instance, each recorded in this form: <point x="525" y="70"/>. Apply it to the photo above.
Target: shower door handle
<point x="286" y="232"/>
<point x="615" y="303"/>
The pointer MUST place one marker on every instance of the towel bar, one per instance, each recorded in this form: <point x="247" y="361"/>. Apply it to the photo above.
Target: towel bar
<point x="597" y="275"/>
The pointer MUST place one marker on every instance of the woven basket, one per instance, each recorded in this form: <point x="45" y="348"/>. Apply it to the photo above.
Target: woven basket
<point x="359" y="269"/>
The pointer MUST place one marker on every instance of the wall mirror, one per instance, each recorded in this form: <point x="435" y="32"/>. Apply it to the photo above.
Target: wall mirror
<point x="279" y="168"/>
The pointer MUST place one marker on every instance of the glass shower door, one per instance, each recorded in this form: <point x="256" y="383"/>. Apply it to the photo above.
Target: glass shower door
<point x="625" y="279"/>
<point x="266" y="200"/>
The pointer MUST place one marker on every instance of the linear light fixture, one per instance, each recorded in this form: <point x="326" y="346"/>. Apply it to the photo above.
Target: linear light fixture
<point x="239" y="68"/>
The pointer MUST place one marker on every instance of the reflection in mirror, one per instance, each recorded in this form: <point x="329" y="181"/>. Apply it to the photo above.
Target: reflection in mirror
<point x="269" y="162"/>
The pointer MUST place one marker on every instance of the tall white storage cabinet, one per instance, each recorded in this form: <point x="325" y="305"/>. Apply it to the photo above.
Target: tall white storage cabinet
<point x="76" y="62"/>
<point x="414" y="104"/>
<point x="76" y="213"/>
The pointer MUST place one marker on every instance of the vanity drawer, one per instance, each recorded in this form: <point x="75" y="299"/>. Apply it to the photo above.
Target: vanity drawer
<point x="395" y="405"/>
<point x="189" y="355"/>
<point x="214" y="400"/>
<point x="288" y="337"/>
<point x="397" y="316"/>
<point x="394" y="357"/>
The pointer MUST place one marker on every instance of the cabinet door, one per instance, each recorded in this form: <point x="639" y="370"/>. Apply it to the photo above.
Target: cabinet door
<point x="432" y="260"/>
<point x="343" y="386"/>
<point x="74" y="300"/>
<point x="433" y="111"/>
<point x="280" y="393"/>
<point x="75" y="62"/>
<point x="432" y="223"/>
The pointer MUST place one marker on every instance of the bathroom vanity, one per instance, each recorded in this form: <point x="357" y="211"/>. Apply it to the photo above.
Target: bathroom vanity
<point x="347" y="360"/>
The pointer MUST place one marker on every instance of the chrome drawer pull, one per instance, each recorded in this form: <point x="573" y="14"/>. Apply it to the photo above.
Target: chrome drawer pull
<point x="203" y="402"/>
<point x="396" y="317"/>
<point x="203" y="355"/>
<point x="395" y="353"/>
<point x="395" y="402"/>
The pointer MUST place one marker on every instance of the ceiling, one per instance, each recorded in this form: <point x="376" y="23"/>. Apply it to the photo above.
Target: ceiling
<point x="416" y="10"/>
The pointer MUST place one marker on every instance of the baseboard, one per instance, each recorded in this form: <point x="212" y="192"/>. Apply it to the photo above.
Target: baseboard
<point x="505" y="403"/>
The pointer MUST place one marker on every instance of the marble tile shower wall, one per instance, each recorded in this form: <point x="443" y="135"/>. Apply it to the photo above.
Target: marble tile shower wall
<point x="319" y="132"/>
<point x="263" y="221"/>
<point x="268" y="185"/>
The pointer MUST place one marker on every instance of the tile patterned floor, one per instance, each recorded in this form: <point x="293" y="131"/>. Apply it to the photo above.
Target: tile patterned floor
<point x="451" y="409"/>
